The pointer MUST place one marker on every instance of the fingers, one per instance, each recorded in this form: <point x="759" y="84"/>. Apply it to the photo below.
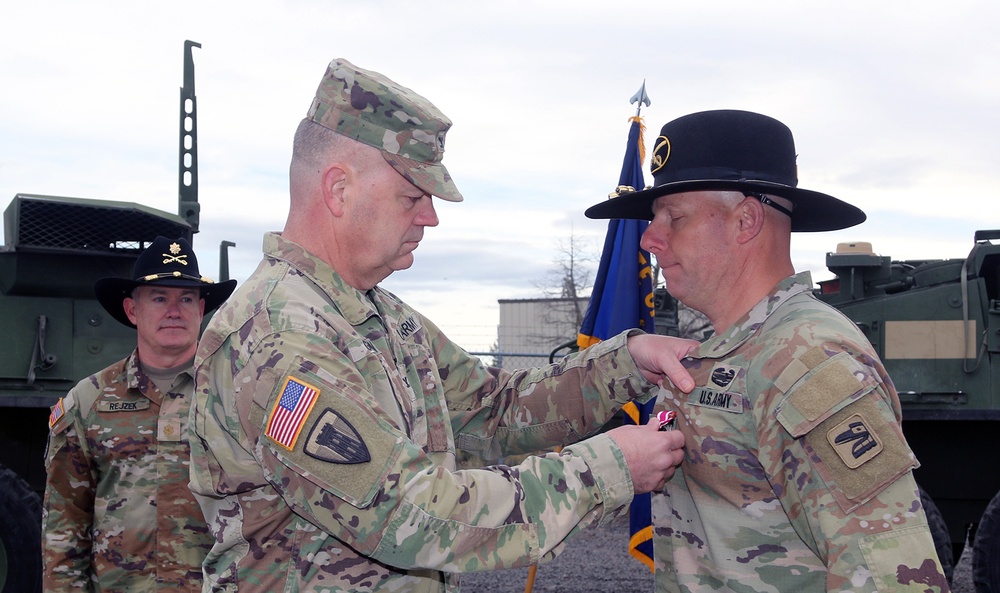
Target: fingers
<point x="658" y="357"/>
<point x="673" y="441"/>
<point x="677" y="374"/>
<point x="652" y="456"/>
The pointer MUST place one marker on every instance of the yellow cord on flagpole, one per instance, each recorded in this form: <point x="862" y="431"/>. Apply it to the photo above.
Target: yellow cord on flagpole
<point x="585" y="341"/>
<point x="642" y="139"/>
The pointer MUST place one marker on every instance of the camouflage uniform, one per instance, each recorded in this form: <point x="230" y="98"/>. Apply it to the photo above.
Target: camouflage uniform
<point x="328" y="421"/>
<point x="796" y="474"/>
<point x="118" y="512"/>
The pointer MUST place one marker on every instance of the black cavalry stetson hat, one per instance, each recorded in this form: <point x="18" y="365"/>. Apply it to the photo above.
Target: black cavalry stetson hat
<point x="730" y="150"/>
<point x="165" y="262"/>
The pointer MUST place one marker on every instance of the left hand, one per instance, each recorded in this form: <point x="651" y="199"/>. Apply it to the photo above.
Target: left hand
<point x="658" y="358"/>
<point x="652" y="456"/>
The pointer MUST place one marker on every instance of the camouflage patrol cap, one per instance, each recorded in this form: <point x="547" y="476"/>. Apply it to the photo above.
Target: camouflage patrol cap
<point x="406" y="127"/>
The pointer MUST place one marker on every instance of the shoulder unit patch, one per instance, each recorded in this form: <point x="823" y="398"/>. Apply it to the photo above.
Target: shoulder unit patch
<point x="854" y="441"/>
<point x="332" y="438"/>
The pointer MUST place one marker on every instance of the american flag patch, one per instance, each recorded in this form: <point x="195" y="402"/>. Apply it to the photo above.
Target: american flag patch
<point x="57" y="413"/>
<point x="290" y="412"/>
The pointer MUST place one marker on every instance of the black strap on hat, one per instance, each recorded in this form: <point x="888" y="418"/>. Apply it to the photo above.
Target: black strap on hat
<point x="768" y="201"/>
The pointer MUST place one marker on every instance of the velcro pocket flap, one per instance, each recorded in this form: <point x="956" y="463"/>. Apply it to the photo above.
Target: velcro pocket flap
<point x="822" y="391"/>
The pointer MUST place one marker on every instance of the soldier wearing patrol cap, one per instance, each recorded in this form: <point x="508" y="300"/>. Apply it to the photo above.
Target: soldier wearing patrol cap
<point x="329" y="412"/>
<point x="118" y="514"/>
<point x="797" y="476"/>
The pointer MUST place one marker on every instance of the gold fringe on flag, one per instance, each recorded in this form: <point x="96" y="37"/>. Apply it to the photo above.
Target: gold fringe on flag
<point x="642" y="139"/>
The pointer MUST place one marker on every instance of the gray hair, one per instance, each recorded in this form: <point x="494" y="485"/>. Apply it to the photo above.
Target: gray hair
<point x="314" y="145"/>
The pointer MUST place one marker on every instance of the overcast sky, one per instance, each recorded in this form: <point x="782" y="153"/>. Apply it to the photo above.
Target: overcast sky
<point x="895" y="107"/>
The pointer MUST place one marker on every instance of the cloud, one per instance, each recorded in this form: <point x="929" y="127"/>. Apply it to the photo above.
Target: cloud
<point x="894" y="107"/>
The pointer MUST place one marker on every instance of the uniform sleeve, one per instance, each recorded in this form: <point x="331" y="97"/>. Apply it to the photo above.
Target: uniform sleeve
<point x="832" y="444"/>
<point x="334" y="458"/>
<point x="497" y="413"/>
<point x="68" y="505"/>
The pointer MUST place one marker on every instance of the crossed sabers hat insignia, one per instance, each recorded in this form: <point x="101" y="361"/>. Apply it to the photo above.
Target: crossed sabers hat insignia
<point x="173" y="257"/>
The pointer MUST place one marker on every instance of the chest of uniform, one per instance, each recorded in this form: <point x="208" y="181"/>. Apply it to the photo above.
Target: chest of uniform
<point x="719" y="401"/>
<point x="718" y="423"/>
<point x="133" y="427"/>
<point x="404" y="379"/>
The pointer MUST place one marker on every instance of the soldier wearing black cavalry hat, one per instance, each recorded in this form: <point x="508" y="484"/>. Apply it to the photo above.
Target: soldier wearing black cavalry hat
<point x="796" y="474"/>
<point x="118" y="514"/>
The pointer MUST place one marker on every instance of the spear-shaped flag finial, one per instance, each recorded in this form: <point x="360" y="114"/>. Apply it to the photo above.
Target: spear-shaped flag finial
<point x="640" y="97"/>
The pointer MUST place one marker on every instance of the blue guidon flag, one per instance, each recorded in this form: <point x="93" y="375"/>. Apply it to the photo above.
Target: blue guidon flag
<point x="622" y="299"/>
<point x="290" y="412"/>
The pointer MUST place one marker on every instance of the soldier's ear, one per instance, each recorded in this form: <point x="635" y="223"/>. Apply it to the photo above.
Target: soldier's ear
<point x="750" y="219"/>
<point x="336" y="182"/>
<point x="128" y="304"/>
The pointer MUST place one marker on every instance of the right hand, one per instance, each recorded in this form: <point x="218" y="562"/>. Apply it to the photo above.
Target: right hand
<point x="651" y="455"/>
<point x="658" y="357"/>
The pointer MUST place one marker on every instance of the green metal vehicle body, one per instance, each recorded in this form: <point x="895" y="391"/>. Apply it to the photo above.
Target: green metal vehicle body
<point x="936" y="326"/>
<point x="56" y="333"/>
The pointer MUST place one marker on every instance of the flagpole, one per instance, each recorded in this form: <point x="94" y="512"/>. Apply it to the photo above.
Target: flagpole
<point x="589" y="333"/>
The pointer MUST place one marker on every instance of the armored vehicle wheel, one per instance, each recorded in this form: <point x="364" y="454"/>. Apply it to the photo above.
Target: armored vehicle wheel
<point x="986" y="550"/>
<point x="939" y="532"/>
<point x="20" y="535"/>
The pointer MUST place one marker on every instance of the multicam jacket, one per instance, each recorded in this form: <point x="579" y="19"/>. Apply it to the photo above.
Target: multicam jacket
<point x="328" y="421"/>
<point x="796" y="474"/>
<point x="118" y="514"/>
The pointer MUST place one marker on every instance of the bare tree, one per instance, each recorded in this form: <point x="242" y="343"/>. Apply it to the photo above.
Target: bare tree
<point x="567" y="287"/>
<point x="493" y="358"/>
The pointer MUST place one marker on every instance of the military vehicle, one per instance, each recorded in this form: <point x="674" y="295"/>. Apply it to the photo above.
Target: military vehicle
<point x="55" y="331"/>
<point x="936" y="327"/>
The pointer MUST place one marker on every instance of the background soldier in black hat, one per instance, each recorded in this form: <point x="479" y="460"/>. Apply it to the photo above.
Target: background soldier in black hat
<point x="118" y="512"/>
<point x="796" y="474"/>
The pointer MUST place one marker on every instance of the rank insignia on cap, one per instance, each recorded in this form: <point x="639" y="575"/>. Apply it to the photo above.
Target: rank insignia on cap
<point x="854" y="442"/>
<point x="290" y="412"/>
<point x="56" y="413"/>
<point x="332" y="438"/>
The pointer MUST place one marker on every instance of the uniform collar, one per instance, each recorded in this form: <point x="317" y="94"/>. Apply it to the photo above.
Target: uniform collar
<point x="133" y="370"/>
<point x="350" y="302"/>
<point x="723" y="344"/>
<point x="136" y="377"/>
